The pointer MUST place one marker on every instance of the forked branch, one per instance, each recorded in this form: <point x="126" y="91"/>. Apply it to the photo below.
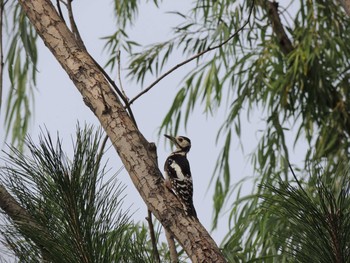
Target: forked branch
<point x="80" y="41"/>
<point x="20" y="216"/>
<point x="156" y="256"/>
<point x="194" y="57"/>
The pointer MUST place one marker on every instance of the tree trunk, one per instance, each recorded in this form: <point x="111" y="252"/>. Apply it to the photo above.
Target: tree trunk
<point x="135" y="152"/>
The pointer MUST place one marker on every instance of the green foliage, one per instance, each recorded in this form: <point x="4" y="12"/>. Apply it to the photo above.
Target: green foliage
<point x="293" y="221"/>
<point x="304" y="89"/>
<point x="318" y="212"/>
<point x="253" y="229"/>
<point x="115" y="42"/>
<point x="21" y="60"/>
<point x="125" y="11"/>
<point x="76" y="208"/>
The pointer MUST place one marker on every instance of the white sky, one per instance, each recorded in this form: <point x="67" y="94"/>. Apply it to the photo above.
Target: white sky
<point x="58" y="105"/>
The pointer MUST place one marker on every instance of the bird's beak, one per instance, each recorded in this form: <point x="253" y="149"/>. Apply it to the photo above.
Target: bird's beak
<point x="171" y="138"/>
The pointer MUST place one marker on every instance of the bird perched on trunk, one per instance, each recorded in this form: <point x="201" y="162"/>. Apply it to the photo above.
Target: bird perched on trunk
<point x="178" y="173"/>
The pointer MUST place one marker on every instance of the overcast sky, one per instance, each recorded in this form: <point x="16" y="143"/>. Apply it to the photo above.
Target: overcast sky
<point x="58" y="105"/>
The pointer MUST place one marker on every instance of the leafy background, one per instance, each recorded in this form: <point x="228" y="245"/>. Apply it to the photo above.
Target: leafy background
<point x="293" y="96"/>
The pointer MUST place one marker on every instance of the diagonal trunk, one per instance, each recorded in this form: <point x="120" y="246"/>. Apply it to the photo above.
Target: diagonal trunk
<point x="136" y="153"/>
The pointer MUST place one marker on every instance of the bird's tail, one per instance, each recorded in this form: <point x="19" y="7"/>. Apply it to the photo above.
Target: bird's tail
<point x="190" y="210"/>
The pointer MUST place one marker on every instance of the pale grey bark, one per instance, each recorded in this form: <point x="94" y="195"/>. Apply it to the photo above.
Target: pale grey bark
<point x="20" y="216"/>
<point x="133" y="149"/>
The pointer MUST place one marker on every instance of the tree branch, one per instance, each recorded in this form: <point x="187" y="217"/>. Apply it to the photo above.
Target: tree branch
<point x="82" y="45"/>
<point x="153" y="151"/>
<point x="130" y="144"/>
<point x="277" y="27"/>
<point x="120" y="77"/>
<point x="346" y="5"/>
<point x="2" y="6"/>
<point x="58" y="4"/>
<point x="153" y="237"/>
<point x="172" y="248"/>
<point x="193" y="58"/>
<point x="73" y="25"/>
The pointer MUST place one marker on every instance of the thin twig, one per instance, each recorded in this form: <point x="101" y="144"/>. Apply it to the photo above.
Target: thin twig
<point x="296" y="179"/>
<point x="119" y="76"/>
<point x="277" y="26"/>
<point x="73" y="25"/>
<point x="23" y="219"/>
<point x="193" y="58"/>
<point x="101" y="152"/>
<point x="109" y="79"/>
<point x="172" y="248"/>
<point x="153" y="150"/>
<point x="153" y="237"/>
<point x="63" y="2"/>
<point x="2" y="6"/>
<point x="58" y="3"/>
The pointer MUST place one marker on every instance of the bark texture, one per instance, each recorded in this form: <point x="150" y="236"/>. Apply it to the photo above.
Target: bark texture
<point x="277" y="26"/>
<point x="21" y="217"/>
<point x="346" y="5"/>
<point x="136" y="153"/>
<point x="14" y="210"/>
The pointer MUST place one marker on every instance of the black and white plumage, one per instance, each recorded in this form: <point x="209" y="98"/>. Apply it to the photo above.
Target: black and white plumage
<point x="178" y="173"/>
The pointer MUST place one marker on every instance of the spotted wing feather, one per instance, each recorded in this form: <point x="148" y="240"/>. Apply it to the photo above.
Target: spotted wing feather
<point x="178" y="171"/>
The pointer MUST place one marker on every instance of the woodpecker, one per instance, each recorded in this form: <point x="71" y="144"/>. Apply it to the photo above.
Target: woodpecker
<point x="178" y="173"/>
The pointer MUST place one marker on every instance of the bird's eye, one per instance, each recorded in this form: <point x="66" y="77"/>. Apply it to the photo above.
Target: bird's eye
<point x="180" y="139"/>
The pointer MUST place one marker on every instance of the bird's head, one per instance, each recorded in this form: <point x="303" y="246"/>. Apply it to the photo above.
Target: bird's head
<point x="182" y="143"/>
